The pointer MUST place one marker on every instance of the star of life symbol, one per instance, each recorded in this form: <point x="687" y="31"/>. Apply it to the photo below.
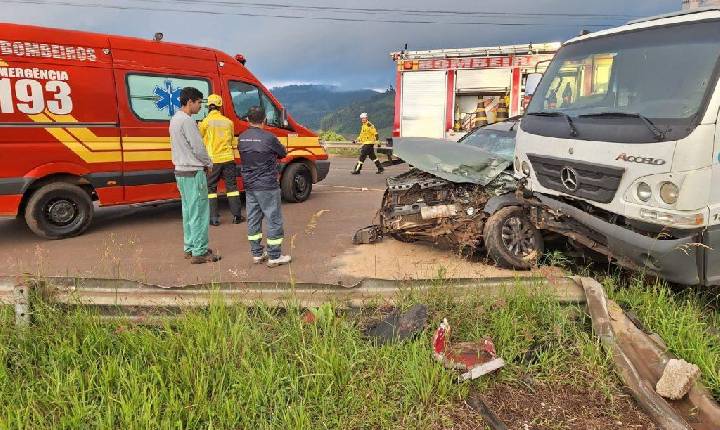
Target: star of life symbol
<point x="167" y="97"/>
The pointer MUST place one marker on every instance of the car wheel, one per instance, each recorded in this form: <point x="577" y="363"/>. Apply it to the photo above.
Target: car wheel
<point x="511" y="240"/>
<point x="59" y="210"/>
<point x="296" y="183"/>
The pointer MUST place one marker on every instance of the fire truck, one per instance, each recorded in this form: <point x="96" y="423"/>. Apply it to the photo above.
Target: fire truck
<point x="84" y="118"/>
<point x="444" y="93"/>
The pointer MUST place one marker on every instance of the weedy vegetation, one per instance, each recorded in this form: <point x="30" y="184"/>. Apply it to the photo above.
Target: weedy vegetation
<point x="686" y="319"/>
<point x="233" y="367"/>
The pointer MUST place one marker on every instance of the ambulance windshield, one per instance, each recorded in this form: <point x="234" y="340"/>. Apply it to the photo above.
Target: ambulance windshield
<point x="663" y="73"/>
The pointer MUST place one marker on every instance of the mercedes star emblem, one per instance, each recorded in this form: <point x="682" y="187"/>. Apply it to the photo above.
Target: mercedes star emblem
<point x="568" y="177"/>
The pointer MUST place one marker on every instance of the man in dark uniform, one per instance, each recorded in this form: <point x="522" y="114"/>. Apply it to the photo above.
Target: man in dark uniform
<point x="260" y="151"/>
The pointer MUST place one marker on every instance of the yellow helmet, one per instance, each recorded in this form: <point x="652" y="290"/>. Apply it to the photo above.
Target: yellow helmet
<point x="214" y="99"/>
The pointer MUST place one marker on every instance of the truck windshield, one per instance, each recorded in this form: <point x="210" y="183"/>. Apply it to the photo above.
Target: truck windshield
<point x="662" y="73"/>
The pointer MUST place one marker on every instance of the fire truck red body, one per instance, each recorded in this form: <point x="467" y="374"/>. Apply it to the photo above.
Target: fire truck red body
<point x="90" y="112"/>
<point x="438" y="91"/>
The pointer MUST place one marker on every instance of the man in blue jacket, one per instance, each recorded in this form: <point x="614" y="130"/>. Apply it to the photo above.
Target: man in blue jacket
<point x="260" y="151"/>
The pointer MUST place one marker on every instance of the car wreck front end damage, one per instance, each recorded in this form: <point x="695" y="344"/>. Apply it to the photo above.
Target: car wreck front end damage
<point x="442" y="199"/>
<point x="420" y="206"/>
<point x="679" y="256"/>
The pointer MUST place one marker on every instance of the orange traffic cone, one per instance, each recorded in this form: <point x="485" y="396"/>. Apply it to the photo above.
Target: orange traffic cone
<point x="480" y="116"/>
<point x="502" y="111"/>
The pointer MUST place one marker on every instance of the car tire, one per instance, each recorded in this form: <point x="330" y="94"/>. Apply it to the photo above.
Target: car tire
<point x="59" y="210"/>
<point x="296" y="183"/>
<point x="511" y="240"/>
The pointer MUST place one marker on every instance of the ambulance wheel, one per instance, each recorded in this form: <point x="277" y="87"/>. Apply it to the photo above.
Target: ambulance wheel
<point x="511" y="240"/>
<point x="296" y="183"/>
<point x="59" y="210"/>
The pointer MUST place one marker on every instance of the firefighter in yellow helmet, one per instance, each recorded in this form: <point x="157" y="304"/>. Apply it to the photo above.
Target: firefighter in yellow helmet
<point x="368" y="137"/>
<point x="218" y="132"/>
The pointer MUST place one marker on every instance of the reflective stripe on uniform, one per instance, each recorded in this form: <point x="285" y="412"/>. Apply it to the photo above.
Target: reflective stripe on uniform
<point x="274" y="242"/>
<point x="233" y="194"/>
<point x="212" y="195"/>
<point x="255" y="237"/>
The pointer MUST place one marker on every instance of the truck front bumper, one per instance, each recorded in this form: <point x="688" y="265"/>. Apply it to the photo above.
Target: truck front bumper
<point x="678" y="260"/>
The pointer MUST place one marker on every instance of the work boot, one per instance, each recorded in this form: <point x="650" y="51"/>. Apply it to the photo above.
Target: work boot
<point x="379" y="166"/>
<point x="188" y="254"/>
<point x="237" y="219"/>
<point x="208" y="257"/>
<point x="260" y="259"/>
<point x="283" y="259"/>
<point x="358" y="167"/>
<point x="215" y="221"/>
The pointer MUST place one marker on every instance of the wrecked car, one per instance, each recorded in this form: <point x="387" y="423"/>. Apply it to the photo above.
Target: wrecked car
<point x="442" y="198"/>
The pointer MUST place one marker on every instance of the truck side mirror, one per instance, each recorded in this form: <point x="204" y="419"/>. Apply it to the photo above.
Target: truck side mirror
<point x="284" y="117"/>
<point x="531" y="83"/>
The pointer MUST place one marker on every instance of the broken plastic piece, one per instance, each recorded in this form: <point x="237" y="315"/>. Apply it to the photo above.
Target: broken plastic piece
<point x="398" y="327"/>
<point x="368" y="235"/>
<point x="474" y="359"/>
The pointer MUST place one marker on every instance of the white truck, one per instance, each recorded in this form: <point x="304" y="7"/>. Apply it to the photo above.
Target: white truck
<point x="619" y="148"/>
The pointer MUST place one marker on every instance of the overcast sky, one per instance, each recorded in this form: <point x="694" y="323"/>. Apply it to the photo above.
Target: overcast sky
<point x="347" y="54"/>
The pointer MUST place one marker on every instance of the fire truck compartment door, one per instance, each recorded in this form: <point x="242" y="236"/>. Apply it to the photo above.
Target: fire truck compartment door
<point x="424" y="96"/>
<point x="485" y="80"/>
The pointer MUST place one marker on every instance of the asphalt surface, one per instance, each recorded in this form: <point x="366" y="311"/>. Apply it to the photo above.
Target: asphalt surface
<point x="144" y="242"/>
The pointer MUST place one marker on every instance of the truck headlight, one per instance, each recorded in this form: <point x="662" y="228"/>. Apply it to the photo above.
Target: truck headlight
<point x="669" y="192"/>
<point x="644" y="192"/>
<point x="525" y="168"/>
<point x="516" y="164"/>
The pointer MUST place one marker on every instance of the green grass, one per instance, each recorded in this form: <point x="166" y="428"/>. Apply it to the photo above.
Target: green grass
<point x="257" y="368"/>
<point x="687" y="321"/>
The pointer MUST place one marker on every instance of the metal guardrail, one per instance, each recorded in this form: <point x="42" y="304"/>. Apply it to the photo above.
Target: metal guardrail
<point x="638" y="360"/>
<point x="339" y="144"/>
<point x="16" y="291"/>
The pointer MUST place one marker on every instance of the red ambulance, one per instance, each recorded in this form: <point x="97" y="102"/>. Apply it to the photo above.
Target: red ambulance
<point x="84" y="117"/>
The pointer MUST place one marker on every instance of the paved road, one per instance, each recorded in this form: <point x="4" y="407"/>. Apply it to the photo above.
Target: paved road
<point x="145" y="242"/>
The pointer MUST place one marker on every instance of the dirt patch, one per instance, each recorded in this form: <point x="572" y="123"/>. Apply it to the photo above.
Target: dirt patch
<point x="563" y="406"/>
<point x="392" y="259"/>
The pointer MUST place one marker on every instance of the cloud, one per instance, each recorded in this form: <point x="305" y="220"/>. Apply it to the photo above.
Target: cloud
<point x="349" y="54"/>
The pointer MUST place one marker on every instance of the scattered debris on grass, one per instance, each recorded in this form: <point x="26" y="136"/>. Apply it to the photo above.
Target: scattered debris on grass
<point x="321" y="314"/>
<point x="474" y="359"/>
<point x="398" y="327"/>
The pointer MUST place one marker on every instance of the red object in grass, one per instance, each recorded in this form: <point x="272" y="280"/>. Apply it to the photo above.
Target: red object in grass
<point x="473" y="358"/>
<point x="308" y="317"/>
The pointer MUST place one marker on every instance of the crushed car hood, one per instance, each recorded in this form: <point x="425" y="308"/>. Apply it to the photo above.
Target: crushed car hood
<point x="452" y="161"/>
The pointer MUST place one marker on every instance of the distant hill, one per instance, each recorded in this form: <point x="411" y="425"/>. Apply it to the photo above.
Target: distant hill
<point x="380" y="108"/>
<point x="308" y="104"/>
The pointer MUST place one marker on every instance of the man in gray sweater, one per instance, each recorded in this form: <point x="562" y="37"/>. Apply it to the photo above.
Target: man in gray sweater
<point x="191" y="162"/>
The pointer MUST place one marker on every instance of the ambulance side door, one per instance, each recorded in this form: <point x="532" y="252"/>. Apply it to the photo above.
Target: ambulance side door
<point x="148" y="87"/>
